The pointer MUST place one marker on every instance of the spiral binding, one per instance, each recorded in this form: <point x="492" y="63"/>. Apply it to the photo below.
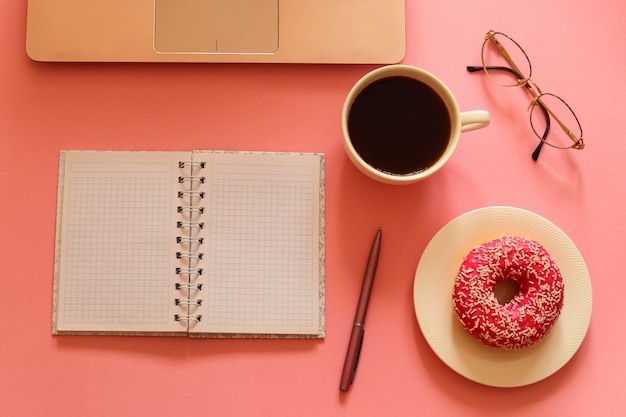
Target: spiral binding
<point x="189" y="240"/>
<point x="190" y="243"/>
<point x="189" y="255"/>
<point x="183" y="286"/>
<point x="188" y="317"/>
<point x="188" y="301"/>
<point x="185" y="164"/>
<point x="190" y="209"/>
<point x="189" y="225"/>
<point x="188" y="271"/>
<point x="191" y="179"/>
<point x="191" y="194"/>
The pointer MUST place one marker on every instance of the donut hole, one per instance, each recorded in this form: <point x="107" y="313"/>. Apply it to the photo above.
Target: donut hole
<point x="505" y="290"/>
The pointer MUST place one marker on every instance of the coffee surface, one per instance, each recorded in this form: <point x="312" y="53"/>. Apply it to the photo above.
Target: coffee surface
<point x="399" y="125"/>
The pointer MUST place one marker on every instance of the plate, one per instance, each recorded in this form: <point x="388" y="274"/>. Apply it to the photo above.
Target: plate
<point x="432" y="296"/>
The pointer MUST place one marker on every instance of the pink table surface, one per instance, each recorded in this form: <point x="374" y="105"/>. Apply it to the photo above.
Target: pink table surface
<point x="577" y="51"/>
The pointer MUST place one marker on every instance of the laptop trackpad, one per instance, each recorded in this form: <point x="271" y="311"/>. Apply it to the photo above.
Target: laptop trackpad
<point x="216" y="26"/>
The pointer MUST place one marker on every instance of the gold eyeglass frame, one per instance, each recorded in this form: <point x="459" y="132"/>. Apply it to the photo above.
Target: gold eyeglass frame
<point x="533" y="88"/>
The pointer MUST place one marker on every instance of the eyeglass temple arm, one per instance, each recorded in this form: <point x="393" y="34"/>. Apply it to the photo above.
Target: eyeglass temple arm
<point x="535" y="154"/>
<point x="476" y="68"/>
<point x="503" y="51"/>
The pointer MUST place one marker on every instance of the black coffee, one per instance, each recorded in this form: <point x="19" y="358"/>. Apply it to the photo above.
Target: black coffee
<point x="399" y="125"/>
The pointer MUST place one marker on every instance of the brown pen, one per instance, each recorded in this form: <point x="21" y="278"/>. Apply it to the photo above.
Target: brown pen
<point x="356" y="337"/>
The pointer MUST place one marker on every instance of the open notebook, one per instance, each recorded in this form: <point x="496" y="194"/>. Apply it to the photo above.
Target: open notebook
<point x="202" y="243"/>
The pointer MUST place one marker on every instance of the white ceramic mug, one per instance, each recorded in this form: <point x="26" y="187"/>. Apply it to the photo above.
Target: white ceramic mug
<point x="450" y="129"/>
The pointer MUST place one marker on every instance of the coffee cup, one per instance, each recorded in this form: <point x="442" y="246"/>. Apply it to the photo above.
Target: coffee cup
<point x="401" y="124"/>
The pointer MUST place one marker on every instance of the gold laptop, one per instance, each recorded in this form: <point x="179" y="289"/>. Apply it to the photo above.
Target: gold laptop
<point x="298" y="31"/>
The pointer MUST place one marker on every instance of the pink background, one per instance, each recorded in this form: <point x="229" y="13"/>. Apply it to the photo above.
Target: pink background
<point x="577" y="51"/>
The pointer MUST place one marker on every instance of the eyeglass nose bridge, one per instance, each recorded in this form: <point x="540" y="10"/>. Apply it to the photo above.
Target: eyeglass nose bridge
<point x="534" y="89"/>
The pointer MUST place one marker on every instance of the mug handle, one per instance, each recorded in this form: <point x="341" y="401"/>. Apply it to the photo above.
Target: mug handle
<point x="475" y="119"/>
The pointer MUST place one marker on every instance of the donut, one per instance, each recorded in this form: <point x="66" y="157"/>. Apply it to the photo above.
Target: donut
<point x="529" y="315"/>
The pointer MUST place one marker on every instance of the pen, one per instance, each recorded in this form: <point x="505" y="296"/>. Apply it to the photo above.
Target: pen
<point x="356" y="337"/>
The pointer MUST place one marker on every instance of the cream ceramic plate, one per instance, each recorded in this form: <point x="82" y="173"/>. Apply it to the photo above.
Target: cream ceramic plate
<point x="432" y="295"/>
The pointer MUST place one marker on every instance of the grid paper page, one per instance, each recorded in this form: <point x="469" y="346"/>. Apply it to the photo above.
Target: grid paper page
<point x="116" y="264"/>
<point x="263" y="249"/>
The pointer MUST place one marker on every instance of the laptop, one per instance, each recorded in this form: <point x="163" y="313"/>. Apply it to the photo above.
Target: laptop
<point x="285" y="31"/>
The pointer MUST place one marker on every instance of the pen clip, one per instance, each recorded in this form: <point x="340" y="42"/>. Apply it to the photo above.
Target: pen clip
<point x="358" y="354"/>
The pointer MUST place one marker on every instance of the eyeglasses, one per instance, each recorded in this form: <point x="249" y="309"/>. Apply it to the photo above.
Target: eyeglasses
<point x="506" y="64"/>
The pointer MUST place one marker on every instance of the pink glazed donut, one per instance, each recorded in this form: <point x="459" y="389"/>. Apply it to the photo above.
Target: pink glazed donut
<point x="527" y="317"/>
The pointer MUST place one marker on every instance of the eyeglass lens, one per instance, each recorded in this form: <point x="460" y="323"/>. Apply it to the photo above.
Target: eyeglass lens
<point x="561" y="114"/>
<point x="500" y="51"/>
